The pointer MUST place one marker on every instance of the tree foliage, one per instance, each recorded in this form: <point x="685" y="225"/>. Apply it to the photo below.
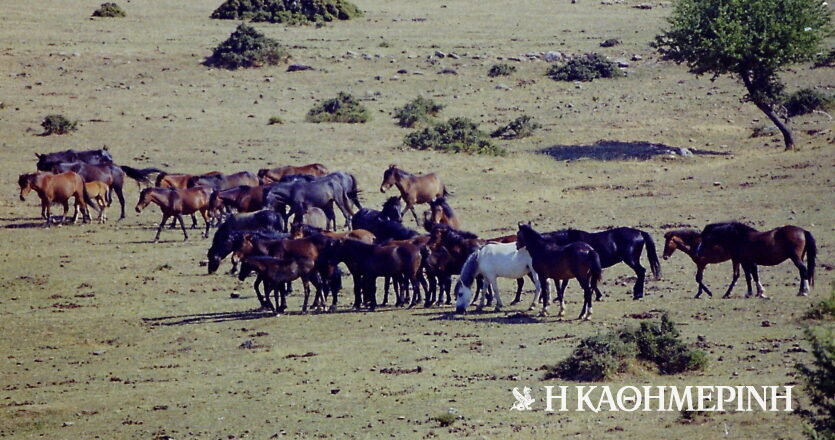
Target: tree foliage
<point x="247" y="47"/>
<point x="819" y="378"/>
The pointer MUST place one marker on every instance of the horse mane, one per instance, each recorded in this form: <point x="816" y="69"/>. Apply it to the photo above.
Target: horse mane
<point x="441" y="201"/>
<point x="687" y="233"/>
<point x="469" y="269"/>
<point x="732" y="227"/>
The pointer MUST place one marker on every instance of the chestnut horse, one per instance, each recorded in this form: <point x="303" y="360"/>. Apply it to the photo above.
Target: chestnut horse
<point x="752" y="248"/>
<point x="175" y="203"/>
<point x="275" y="174"/>
<point x="277" y="272"/>
<point x="413" y="189"/>
<point x="242" y="198"/>
<point x="178" y="181"/>
<point x="687" y="240"/>
<point x="305" y="230"/>
<point x="99" y="193"/>
<point x="110" y="174"/>
<point x="441" y="212"/>
<point x="55" y="188"/>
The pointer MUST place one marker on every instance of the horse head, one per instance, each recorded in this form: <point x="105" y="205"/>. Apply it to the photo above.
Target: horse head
<point x="145" y="198"/>
<point x="25" y="183"/>
<point x="389" y="178"/>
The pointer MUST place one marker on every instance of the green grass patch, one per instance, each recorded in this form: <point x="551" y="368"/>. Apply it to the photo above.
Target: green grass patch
<point x="293" y="12"/>
<point x="585" y="68"/>
<point x="109" y="9"/>
<point x="419" y="111"/>
<point x="248" y="48"/>
<point x="58" y="124"/>
<point x="457" y="135"/>
<point x="343" y="108"/>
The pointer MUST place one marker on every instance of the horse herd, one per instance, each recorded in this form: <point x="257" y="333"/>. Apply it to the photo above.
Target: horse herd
<point x="253" y="213"/>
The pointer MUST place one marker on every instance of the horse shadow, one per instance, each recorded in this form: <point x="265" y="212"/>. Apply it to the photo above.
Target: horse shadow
<point x="609" y="150"/>
<point x="516" y="318"/>
<point x="27" y="225"/>
<point x="207" y="318"/>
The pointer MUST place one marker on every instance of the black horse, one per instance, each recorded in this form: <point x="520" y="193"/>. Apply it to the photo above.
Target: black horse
<point x="299" y="195"/>
<point x="223" y="243"/>
<point x="615" y="246"/>
<point x="383" y="229"/>
<point x="93" y="157"/>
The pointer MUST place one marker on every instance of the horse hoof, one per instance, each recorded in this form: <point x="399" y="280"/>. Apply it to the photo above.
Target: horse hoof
<point x="497" y="309"/>
<point x="331" y="309"/>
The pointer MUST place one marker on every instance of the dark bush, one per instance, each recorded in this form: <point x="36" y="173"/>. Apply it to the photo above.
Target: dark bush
<point x="662" y="345"/>
<point x="824" y="309"/>
<point x="586" y="68"/>
<point x="819" y="378"/>
<point x="287" y="11"/>
<point x="109" y="10"/>
<point x="247" y="47"/>
<point x="343" y="108"/>
<point x="806" y="101"/>
<point x="58" y="124"/>
<point x="457" y="135"/>
<point x="419" y="111"/>
<point x="596" y="358"/>
<point x="521" y="127"/>
<point x="275" y="120"/>
<point x="826" y="59"/>
<point x="500" y="70"/>
<point x="610" y="42"/>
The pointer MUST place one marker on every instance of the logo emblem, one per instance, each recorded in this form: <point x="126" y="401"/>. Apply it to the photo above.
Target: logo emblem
<point x="523" y="399"/>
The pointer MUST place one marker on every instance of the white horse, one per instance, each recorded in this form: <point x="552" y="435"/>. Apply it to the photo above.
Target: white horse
<point x="491" y="261"/>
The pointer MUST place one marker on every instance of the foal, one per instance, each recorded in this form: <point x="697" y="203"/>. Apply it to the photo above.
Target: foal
<point x="55" y="188"/>
<point x="99" y="193"/>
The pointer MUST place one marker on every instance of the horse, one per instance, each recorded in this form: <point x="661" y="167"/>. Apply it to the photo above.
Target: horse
<point x="386" y="224"/>
<point x="92" y="157"/>
<point x="304" y="230"/>
<point x="178" y="180"/>
<point x="440" y="212"/>
<point x="220" y="181"/>
<point x="277" y="272"/>
<point x="242" y="198"/>
<point x="55" y="188"/>
<point x="224" y="239"/>
<point x="251" y="243"/>
<point x="614" y="246"/>
<point x="313" y="216"/>
<point x="98" y="193"/>
<point x="322" y="193"/>
<point x="551" y="260"/>
<point x="175" y="203"/>
<point x="491" y="261"/>
<point x="751" y="248"/>
<point x="413" y="189"/>
<point x="267" y="175"/>
<point x="112" y="175"/>
<point x="420" y="242"/>
<point x="687" y="240"/>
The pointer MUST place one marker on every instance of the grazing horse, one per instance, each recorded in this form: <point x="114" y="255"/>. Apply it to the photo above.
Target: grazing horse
<point x="112" y="175"/>
<point x="276" y="174"/>
<point x="440" y="212"/>
<point x="98" y="193"/>
<point x="276" y="272"/>
<point x="92" y="157"/>
<point x="220" y="181"/>
<point x="300" y="231"/>
<point x="223" y="242"/>
<point x="687" y="240"/>
<point x="322" y="193"/>
<point x="175" y="203"/>
<point x="614" y="246"/>
<point x="413" y="189"/>
<point x="55" y="188"/>
<point x="751" y="248"/>
<point x="491" y="261"/>
<point x="551" y="260"/>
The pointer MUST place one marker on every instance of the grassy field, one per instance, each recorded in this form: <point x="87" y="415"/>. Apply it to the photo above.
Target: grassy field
<point x="106" y="335"/>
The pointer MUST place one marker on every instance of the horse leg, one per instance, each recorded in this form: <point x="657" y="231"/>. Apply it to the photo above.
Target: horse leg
<point x="756" y="275"/>
<point x="446" y="286"/>
<point x="804" y="275"/>
<point x="494" y="286"/>
<point x="640" y="271"/>
<point x="161" y="225"/>
<point x="66" y="205"/>
<point x="585" y="314"/>
<point x="265" y="302"/>
<point x="371" y="293"/>
<point x="560" y="285"/>
<point x="386" y="286"/>
<point x="357" y="291"/>
<point x="520" y="283"/>
<point x="121" y="197"/>
<point x="747" y="269"/>
<point x="306" y="287"/>
<point x="545" y="297"/>
<point x="432" y="291"/>
<point x="733" y="280"/>
<point x="205" y="219"/>
<point x="182" y="226"/>
<point x="194" y="221"/>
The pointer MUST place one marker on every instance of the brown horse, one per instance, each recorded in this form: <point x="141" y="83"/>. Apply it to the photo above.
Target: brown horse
<point x="179" y="181"/>
<point x="402" y="297"/>
<point x="55" y="188"/>
<point x="303" y="230"/>
<point x="276" y="272"/>
<point x="687" y="240"/>
<point x="575" y="260"/>
<point x="275" y="174"/>
<point x="414" y="190"/>
<point x="100" y="194"/>
<point x="752" y="248"/>
<point x="220" y="181"/>
<point x="175" y="203"/>
<point x="243" y="198"/>
<point x="440" y="212"/>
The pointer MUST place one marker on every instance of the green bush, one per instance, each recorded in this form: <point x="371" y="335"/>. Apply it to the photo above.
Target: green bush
<point x="819" y="378"/>
<point x="457" y="135"/>
<point x="596" y="358"/>
<point x="586" y="68"/>
<point x="109" y="10"/>
<point x="500" y="70"/>
<point x="661" y="344"/>
<point x="275" y="120"/>
<point x="806" y="101"/>
<point x="343" y="108"/>
<point x="58" y="124"/>
<point x="419" y="111"/>
<point x="825" y="309"/>
<point x="247" y="47"/>
<point x="445" y="419"/>
<point x="521" y="127"/>
<point x="287" y="11"/>
<point x="826" y="59"/>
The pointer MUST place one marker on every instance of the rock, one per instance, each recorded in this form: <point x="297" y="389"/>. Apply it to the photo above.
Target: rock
<point x="76" y="54"/>
<point x="402" y="71"/>
<point x="767" y="324"/>
<point x="622" y="62"/>
<point x="440" y="54"/>
<point x="65" y="424"/>
<point x="517" y="59"/>
<point x="532" y="56"/>
<point x="643" y="6"/>
<point x="350" y="54"/>
<point x="335" y="391"/>
<point x="235" y="294"/>
<point x="610" y="42"/>
<point x="366" y="56"/>
<point x="684" y="152"/>
<point x="637" y="57"/>
<point x="417" y="72"/>
<point x="553" y="56"/>
<point x="448" y="72"/>
<point x="502" y="87"/>
<point x="717" y="183"/>
<point x="454" y="56"/>
<point x="298" y="67"/>
<point x="269" y="80"/>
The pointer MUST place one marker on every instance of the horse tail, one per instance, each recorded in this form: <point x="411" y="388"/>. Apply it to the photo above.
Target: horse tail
<point x="354" y="192"/>
<point x="445" y="192"/>
<point x="811" y="253"/>
<point x="596" y="270"/>
<point x="140" y="175"/>
<point x="654" y="264"/>
<point x="468" y="271"/>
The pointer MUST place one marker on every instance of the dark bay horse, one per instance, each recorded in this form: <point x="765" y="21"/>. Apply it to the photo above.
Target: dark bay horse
<point x="276" y="174"/>
<point x="687" y="240"/>
<point x="618" y="245"/>
<point x="220" y="181"/>
<point x="175" y="203"/>
<point x="277" y="272"/>
<point x="242" y="198"/>
<point x="322" y="193"/>
<point x="305" y="230"/>
<point x="92" y="157"/>
<point x="751" y="248"/>
<point x="55" y="188"/>
<point x="557" y="262"/>
<point x="441" y="212"/>
<point x="111" y="175"/>
<point x="414" y="189"/>
<point x="223" y="242"/>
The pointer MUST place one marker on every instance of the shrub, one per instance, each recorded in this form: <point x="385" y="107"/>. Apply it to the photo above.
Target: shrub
<point x="445" y="419"/>
<point x="586" y="68"/>
<point x="825" y="309"/>
<point x="819" y="378"/>
<point x="521" y="127"/>
<point x="246" y="47"/>
<point x="826" y="59"/>
<point x="275" y="120"/>
<point x="343" y="108"/>
<point x="806" y="101"/>
<point x="109" y="10"/>
<point x="762" y="130"/>
<point x="610" y="42"/>
<point x="661" y="344"/>
<point x="457" y="135"/>
<point x="419" y="111"/>
<point x="500" y="70"/>
<point x="58" y="124"/>
<point x="596" y="358"/>
<point x="287" y="11"/>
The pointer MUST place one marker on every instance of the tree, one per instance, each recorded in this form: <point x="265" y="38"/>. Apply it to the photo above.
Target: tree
<point x="749" y="39"/>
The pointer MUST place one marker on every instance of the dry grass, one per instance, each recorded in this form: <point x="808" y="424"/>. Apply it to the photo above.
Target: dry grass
<point x="95" y="335"/>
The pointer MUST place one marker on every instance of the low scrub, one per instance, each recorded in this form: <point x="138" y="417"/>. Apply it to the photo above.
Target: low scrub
<point x="419" y="111"/>
<point x="247" y="48"/>
<point x="58" y="124"/>
<point x="457" y="135"/>
<point x="109" y="10"/>
<point x="287" y="11"/>
<point x="824" y="309"/>
<point x="602" y="356"/>
<point x="806" y="101"/>
<point x="585" y="68"/>
<point x="521" y="127"/>
<point x="819" y="382"/>
<point x="275" y="120"/>
<point x="343" y="108"/>
<point x="500" y="70"/>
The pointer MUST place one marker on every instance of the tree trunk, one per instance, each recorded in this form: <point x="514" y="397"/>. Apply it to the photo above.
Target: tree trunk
<point x="788" y="137"/>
